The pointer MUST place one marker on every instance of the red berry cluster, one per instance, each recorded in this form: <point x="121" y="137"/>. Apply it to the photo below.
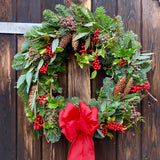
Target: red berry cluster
<point x="103" y="130"/>
<point x="42" y="99"/>
<point x="49" y="51"/>
<point x="96" y="64"/>
<point x="44" y="68"/>
<point x="96" y="35"/>
<point x="122" y="62"/>
<point x="90" y="47"/>
<point x="112" y="126"/>
<point x="38" y="122"/>
<point x="139" y="87"/>
<point x="116" y="127"/>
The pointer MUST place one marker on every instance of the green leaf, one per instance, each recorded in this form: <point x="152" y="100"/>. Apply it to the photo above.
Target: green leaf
<point x="94" y="74"/>
<point x="34" y="103"/>
<point x="110" y="135"/>
<point x="55" y="44"/>
<point x="21" y="79"/>
<point x="80" y="35"/>
<point x="103" y="106"/>
<point x="59" y="50"/>
<point x="28" y="63"/>
<point x="40" y="64"/>
<point x="28" y="80"/>
<point x="89" y="24"/>
<point x="42" y="51"/>
<point x="100" y="133"/>
<point x="52" y="59"/>
<point x="116" y="61"/>
<point x="87" y="43"/>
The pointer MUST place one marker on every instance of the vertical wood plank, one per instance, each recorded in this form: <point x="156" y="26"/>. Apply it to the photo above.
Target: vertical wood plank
<point x="151" y="109"/>
<point x="129" y="144"/>
<point x="104" y="147"/>
<point x="27" y="147"/>
<point x="7" y="82"/>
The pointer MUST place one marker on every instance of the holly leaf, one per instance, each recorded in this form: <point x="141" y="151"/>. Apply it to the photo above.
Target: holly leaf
<point x="87" y="43"/>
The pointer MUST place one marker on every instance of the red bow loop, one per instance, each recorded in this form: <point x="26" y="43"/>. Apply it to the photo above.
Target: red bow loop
<point x="79" y="126"/>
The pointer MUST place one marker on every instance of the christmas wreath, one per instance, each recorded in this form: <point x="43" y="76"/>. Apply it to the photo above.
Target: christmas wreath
<point x="99" y="42"/>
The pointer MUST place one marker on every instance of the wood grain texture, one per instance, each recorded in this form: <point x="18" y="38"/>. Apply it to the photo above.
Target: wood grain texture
<point x="7" y="82"/>
<point x="7" y="98"/>
<point x="151" y="109"/>
<point x="129" y="144"/>
<point x="104" y="147"/>
<point x="27" y="147"/>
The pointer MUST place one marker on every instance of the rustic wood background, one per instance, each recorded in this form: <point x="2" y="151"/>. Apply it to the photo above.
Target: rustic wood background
<point x="141" y="16"/>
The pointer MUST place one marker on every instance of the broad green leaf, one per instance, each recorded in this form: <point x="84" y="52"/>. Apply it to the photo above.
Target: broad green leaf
<point x="42" y="51"/>
<point x="110" y="135"/>
<point x="103" y="106"/>
<point x="40" y="64"/>
<point x="116" y="61"/>
<point x="52" y="59"/>
<point x="59" y="50"/>
<point x="87" y="43"/>
<point x="28" y="63"/>
<point x="94" y="74"/>
<point x="80" y="35"/>
<point x="21" y="79"/>
<point x="55" y="44"/>
<point x="89" y="24"/>
<point x="28" y="80"/>
<point x="34" y="103"/>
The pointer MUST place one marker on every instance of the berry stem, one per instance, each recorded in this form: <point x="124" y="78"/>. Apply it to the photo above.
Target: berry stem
<point x="152" y="96"/>
<point x="75" y="11"/>
<point x="46" y="90"/>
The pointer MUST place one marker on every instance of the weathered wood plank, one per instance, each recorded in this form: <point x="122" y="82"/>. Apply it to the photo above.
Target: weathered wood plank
<point x="27" y="147"/>
<point x="7" y="98"/>
<point x="104" y="147"/>
<point x="129" y="144"/>
<point x="151" y="109"/>
<point x="7" y="82"/>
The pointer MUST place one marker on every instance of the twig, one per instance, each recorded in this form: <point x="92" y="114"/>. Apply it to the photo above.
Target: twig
<point x="112" y="75"/>
<point x="151" y="96"/>
<point x="75" y="11"/>
<point x="46" y="91"/>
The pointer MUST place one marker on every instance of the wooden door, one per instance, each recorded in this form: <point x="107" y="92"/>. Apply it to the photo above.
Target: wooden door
<point x="141" y="16"/>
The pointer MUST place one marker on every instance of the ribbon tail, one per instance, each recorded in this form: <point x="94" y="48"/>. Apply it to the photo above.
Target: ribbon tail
<point x="82" y="148"/>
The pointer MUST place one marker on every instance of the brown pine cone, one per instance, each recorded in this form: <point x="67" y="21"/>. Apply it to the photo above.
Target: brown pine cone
<point x="31" y="93"/>
<point x="74" y="43"/>
<point x="128" y="87"/>
<point x="119" y="88"/>
<point x="65" y="40"/>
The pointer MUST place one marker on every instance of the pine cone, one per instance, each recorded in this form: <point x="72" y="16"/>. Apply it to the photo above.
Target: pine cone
<point x="31" y="93"/>
<point x="74" y="43"/>
<point x="119" y="88"/>
<point x="65" y="40"/>
<point x="128" y="87"/>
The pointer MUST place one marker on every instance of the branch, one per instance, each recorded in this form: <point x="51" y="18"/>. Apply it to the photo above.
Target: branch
<point x="75" y="11"/>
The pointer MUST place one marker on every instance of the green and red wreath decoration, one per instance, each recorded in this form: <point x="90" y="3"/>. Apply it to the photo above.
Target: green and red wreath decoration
<point x="99" y="42"/>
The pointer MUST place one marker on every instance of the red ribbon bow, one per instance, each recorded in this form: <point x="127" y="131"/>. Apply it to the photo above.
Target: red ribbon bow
<point x="79" y="126"/>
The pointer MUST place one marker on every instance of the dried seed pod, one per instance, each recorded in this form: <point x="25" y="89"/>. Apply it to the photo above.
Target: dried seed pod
<point x="120" y="86"/>
<point x="31" y="93"/>
<point x="65" y="40"/>
<point x="128" y="87"/>
<point x="74" y="43"/>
